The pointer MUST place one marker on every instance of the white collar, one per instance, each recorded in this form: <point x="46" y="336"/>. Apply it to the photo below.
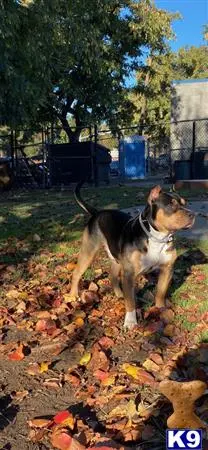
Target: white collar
<point x="153" y="234"/>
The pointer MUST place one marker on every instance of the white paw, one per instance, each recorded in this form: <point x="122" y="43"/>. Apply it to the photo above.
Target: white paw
<point x="130" y="320"/>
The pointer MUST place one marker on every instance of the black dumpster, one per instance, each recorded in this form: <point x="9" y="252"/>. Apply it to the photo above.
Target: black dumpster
<point x="200" y="165"/>
<point x="70" y="163"/>
<point x="182" y="170"/>
<point x="103" y="160"/>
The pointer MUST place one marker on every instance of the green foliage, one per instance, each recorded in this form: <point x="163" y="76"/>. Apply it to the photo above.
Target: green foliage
<point x="71" y="59"/>
<point x="152" y="95"/>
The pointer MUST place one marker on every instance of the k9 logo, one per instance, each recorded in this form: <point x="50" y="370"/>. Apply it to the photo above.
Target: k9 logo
<point x="185" y="439"/>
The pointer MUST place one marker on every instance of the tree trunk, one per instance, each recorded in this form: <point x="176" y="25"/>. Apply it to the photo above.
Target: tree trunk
<point x="144" y="104"/>
<point x="73" y="136"/>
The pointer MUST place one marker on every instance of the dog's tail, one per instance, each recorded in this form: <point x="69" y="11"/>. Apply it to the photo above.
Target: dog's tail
<point x="87" y="208"/>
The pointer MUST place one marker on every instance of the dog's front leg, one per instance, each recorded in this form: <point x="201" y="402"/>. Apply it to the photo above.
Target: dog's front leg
<point x="165" y="277"/>
<point x="129" y="297"/>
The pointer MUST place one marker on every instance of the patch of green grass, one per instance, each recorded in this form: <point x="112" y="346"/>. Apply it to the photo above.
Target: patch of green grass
<point x="203" y="306"/>
<point x="203" y="337"/>
<point x="89" y="275"/>
<point x="186" y="323"/>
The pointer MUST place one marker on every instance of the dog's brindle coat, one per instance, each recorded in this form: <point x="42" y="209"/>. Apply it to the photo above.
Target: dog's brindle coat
<point x="134" y="245"/>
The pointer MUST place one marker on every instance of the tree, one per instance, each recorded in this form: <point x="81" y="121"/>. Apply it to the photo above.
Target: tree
<point x="74" y="57"/>
<point x="152" y="94"/>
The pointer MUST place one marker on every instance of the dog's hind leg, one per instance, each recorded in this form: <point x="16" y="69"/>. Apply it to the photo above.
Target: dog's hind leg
<point x="89" y="248"/>
<point x="115" y="279"/>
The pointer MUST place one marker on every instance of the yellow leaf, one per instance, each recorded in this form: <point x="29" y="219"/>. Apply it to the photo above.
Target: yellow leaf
<point x="69" y="298"/>
<point x="23" y="295"/>
<point x="43" y="367"/>
<point x="69" y="422"/>
<point x="109" y="381"/>
<point x="79" y="321"/>
<point x="131" y="370"/>
<point x="85" y="359"/>
<point x="151" y="366"/>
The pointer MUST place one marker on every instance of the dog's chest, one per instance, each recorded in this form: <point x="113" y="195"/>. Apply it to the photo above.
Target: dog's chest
<point x="157" y="254"/>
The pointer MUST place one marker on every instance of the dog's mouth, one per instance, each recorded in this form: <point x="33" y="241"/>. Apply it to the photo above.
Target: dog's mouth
<point x="189" y="224"/>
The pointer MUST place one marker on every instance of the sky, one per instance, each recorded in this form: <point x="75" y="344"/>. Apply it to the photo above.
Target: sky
<point x="190" y="28"/>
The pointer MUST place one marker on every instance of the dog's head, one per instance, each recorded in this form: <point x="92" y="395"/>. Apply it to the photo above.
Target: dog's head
<point x="168" y="211"/>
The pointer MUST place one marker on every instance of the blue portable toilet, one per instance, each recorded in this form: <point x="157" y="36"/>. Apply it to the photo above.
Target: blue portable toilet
<point x="132" y="157"/>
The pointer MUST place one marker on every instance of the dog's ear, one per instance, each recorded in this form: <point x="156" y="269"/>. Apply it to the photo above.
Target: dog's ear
<point x="172" y="189"/>
<point x="154" y="194"/>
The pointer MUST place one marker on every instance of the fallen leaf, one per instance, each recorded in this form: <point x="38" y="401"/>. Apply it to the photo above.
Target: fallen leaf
<point x="169" y="329"/>
<point x="44" y="367"/>
<point x="61" y="440"/>
<point x="93" y="287"/>
<point x="43" y="314"/>
<point x="151" y="366"/>
<point x="17" y="355"/>
<point x="12" y="294"/>
<point x="19" y="395"/>
<point x="156" y="358"/>
<point x="69" y="298"/>
<point x="85" y="359"/>
<point x="53" y="384"/>
<point x="89" y="297"/>
<point x="36" y="435"/>
<point x="45" y="325"/>
<point x="138" y="374"/>
<point x="40" y="423"/>
<point x="99" y="360"/>
<point x="65" y="418"/>
<point x="106" y="342"/>
<point x="79" y="322"/>
<point x="72" y="379"/>
<point x="70" y="266"/>
<point x="125" y="410"/>
<point x="100" y="374"/>
<point x="167" y="315"/>
<point x="33" y="369"/>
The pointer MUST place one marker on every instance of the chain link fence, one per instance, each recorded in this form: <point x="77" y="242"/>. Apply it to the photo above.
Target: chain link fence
<point x="27" y="151"/>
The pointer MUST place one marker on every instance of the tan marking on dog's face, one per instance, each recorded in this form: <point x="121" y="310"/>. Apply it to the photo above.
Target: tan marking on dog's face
<point x="179" y="219"/>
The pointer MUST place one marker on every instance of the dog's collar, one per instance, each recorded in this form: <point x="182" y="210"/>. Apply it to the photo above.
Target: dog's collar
<point x="153" y="234"/>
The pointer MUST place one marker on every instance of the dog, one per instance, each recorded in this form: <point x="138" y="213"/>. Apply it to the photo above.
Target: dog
<point x="134" y="245"/>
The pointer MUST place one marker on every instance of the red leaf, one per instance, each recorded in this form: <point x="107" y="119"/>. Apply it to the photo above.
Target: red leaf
<point x="106" y="342"/>
<point x="62" y="416"/>
<point x="100" y="374"/>
<point x="47" y="325"/>
<point x="61" y="440"/>
<point x="99" y="361"/>
<point x="18" y="354"/>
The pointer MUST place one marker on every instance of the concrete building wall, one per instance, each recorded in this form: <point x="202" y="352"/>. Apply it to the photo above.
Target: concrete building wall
<point x="189" y="103"/>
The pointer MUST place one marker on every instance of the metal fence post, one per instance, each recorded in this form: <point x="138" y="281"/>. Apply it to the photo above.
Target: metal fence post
<point x="193" y="148"/>
<point x="95" y="156"/>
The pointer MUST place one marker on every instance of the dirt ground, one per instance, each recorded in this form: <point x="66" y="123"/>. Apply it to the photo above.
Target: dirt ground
<point x="61" y="355"/>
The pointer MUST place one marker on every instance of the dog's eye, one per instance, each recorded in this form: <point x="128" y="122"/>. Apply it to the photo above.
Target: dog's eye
<point x="174" y="203"/>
